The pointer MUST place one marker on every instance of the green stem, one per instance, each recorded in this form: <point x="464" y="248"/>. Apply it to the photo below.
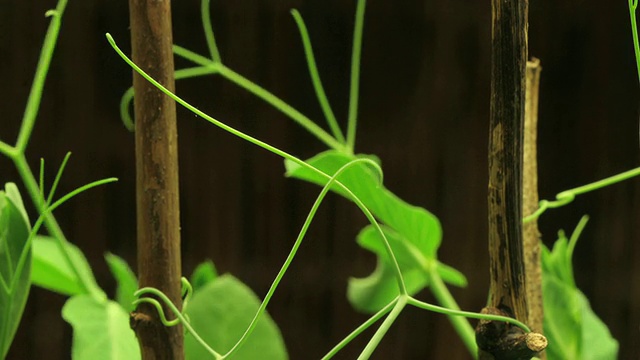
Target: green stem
<point x="633" y="5"/>
<point x="469" y="314"/>
<point x="35" y="94"/>
<point x="315" y="77"/>
<point x="7" y="150"/>
<point x="460" y="324"/>
<point x="360" y="329"/>
<point x="354" y="92"/>
<point x="382" y="330"/>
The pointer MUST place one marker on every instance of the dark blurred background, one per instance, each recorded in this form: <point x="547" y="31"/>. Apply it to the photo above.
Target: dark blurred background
<point x="424" y="110"/>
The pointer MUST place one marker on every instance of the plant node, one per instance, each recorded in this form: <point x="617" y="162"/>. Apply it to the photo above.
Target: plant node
<point x="498" y="340"/>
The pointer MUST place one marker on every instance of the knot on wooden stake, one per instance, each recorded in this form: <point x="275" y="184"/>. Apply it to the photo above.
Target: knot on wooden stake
<point x="498" y="340"/>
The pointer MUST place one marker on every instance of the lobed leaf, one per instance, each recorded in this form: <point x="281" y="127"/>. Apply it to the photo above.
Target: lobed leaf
<point x="100" y="330"/>
<point x="14" y="275"/>
<point x="220" y="312"/>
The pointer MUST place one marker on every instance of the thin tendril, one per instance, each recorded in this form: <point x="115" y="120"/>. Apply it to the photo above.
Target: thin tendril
<point x="180" y="317"/>
<point x="633" y="5"/>
<point x="568" y="196"/>
<point x="315" y="77"/>
<point x="56" y="181"/>
<point x="205" y="12"/>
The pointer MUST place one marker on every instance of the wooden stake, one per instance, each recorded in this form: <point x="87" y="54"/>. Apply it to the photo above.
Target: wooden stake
<point x="158" y="214"/>
<point x="530" y="232"/>
<point x="509" y="59"/>
<point x="498" y="340"/>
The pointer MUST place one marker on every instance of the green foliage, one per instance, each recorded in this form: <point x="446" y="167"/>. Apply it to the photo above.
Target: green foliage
<point x="574" y="331"/>
<point x="126" y="280"/>
<point x="15" y="259"/>
<point x="414" y="234"/>
<point x="100" y="330"/>
<point x="203" y="274"/>
<point x="51" y="270"/>
<point x="220" y="312"/>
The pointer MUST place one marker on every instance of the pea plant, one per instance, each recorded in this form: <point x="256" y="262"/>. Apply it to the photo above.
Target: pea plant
<point x="222" y="317"/>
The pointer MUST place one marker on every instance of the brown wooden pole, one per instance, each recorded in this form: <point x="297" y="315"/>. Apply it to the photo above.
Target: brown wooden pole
<point x="530" y="232"/>
<point x="507" y="282"/>
<point x="158" y="214"/>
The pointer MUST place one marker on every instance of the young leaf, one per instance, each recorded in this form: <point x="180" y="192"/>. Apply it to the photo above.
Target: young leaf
<point x="408" y="255"/>
<point x="14" y="276"/>
<point x="203" y="274"/>
<point x="51" y="271"/>
<point x="126" y="280"/>
<point x="574" y="331"/>
<point x="100" y="330"/>
<point x="221" y="312"/>
<point x="372" y="293"/>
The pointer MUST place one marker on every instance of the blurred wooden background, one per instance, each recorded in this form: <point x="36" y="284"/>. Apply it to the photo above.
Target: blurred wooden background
<point x="424" y="111"/>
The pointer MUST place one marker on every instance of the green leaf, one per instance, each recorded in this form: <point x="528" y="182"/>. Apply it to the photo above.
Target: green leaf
<point x="372" y="293"/>
<point x="100" y="330"/>
<point x="51" y="271"/>
<point x="409" y="257"/>
<point x="416" y="224"/>
<point x="126" y="280"/>
<point x="14" y="275"/>
<point x="414" y="234"/>
<point x="220" y="312"/>
<point x="574" y="331"/>
<point x="203" y="274"/>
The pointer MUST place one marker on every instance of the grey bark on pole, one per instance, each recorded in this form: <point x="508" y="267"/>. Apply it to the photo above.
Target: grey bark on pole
<point x="508" y="296"/>
<point x="157" y="197"/>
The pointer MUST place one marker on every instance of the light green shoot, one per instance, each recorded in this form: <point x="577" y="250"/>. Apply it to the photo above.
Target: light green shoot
<point x="16" y="153"/>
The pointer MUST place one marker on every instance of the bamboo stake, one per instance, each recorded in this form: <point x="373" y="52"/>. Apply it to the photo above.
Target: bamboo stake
<point x="157" y="199"/>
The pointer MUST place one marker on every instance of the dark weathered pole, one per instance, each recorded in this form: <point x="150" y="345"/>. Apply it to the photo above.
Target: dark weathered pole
<point x="509" y="61"/>
<point x="507" y="288"/>
<point x="158" y="216"/>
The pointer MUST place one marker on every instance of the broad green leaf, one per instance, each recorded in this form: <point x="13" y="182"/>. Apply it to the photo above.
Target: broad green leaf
<point x="126" y="280"/>
<point x="203" y="274"/>
<point x="220" y="312"/>
<point x="14" y="274"/>
<point x="51" y="271"/>
<point x="414" y="234"/>
<point x="574" y="331"/>
<point x="100" y="330"/>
